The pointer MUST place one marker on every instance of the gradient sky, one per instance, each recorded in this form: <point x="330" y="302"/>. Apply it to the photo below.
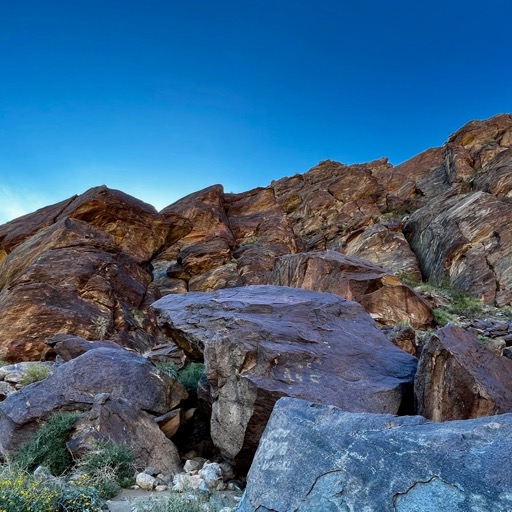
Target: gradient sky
<point x="160" y="98"/>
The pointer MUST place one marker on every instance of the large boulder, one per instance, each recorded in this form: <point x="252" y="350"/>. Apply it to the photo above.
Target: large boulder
<point x="319" y="458"/>
<point x="386" y="246"/>
<point x="74" y="385"/>
<point x="458" y="378"/>
<point x="381" y="294"/>
<point x="260" y="343"/>
<point x="115" y="419"/>
<point x="467" y="240"/>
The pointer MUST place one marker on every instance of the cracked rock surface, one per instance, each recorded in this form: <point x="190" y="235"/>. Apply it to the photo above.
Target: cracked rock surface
<point x="319" y="458"/>
<point x="260" y="343"/>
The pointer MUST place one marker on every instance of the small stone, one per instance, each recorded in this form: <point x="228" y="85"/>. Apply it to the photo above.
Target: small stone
<point x="161" y="488"/>
<point x="507" y="352"/>
<point x="228" y="472"/>
<point x="191" y="465"/>
<point x="150" y="470"/>
<point x="145" y="481"/>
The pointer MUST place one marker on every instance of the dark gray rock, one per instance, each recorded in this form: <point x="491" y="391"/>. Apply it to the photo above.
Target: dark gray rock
<point x="264" y="342"/>
<point x="315" y="458"/>
<point x="115" y="419"/>
<point x="74" y="385"/>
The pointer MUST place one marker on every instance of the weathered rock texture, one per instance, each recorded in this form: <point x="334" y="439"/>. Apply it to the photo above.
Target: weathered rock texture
<point x="381" y="294"/>
<point x="91" y="264"/>
<point x="74" y="385"/>
<point x="76" y="268"/>
<point x="115" y="419"/>
<point x="458" y="378"/>
<point x="263" y="342"/>
<point x="319" y="458"/>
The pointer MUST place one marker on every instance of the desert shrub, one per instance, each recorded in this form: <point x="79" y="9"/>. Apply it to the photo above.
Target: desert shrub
<point x="74" y="498"/>
<point x="34" y="373"/>
<point x="177" y="502"/>
<point x="442" y="316"/>
<point x="107" y="468"/>
<point x="22" y="492"/>
<point x="48" y="445"/>
<point x="188" y="376"/>
<point x="168" y="368"/>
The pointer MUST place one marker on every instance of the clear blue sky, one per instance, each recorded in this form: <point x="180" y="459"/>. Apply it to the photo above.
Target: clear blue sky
<point x="160" y="98"/>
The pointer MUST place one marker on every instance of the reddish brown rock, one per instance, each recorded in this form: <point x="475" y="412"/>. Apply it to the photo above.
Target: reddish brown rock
<point x="496" y="176"/>
<point x="386" y="246"/>
<point x="135" y="227"/>
<point x="71" y="278"/>
<point x="208" y="243"/>
<point x="382" y="295"/>
<point x="260" y="343"/>
<point x="330" y="200"/>
<point x="467" y="240"/>
<point x="459" y="378"/>
<point x="262" y="233"/>
<point x="421" y="175"/>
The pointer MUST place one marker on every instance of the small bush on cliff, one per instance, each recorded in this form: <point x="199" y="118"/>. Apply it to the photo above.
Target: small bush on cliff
<point x="34" y="373"/>
<point x="48" y="446"/>
<point x="188" y="376"/>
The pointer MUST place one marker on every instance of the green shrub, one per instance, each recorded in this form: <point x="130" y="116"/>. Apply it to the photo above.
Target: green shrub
<point x="107" y="468"/>
<point x="21" y="492"/>
<point x="168" y="368"/>
<point x="177" y="502"/>
<point x="48" y="446"/>
<point x="34" y="372"/>
<point x="190" y="375"/>
<point x="442" y="316"/>
<point x="79" y="499"/>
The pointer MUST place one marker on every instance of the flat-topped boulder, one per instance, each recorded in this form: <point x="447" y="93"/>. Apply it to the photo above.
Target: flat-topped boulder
<point x="260" y="343"/>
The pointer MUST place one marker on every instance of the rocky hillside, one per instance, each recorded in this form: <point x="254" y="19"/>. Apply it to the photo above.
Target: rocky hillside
<point x="304" y="283"/>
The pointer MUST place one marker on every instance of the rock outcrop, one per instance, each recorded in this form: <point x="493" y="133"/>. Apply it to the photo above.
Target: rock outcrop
<point x="315" y="457"/>
<point x="381" y="294"/>
<point x="116" y="419"/>
<point x="459" y="378"/>
<point x="74" y="385"/>
<point x="81" y="274"/>
<point x="260" y="343"/>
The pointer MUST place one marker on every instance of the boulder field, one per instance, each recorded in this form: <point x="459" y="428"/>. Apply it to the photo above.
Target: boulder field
<point x="298" y="291"/>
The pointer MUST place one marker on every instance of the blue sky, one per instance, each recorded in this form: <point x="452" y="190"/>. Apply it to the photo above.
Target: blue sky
<point x="160" y="98"/>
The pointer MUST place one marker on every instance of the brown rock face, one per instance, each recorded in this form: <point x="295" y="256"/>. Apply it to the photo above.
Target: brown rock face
<point x="381" y="294"/>
<point x="466" y="239"/>
<point x="331" y="200"/>
<point x="260" y="343"/>
<point x="459" y="378"/>
<point x="76" y="268"/>
<point x="70" y="278"/>
<point x="386" y="246"/>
